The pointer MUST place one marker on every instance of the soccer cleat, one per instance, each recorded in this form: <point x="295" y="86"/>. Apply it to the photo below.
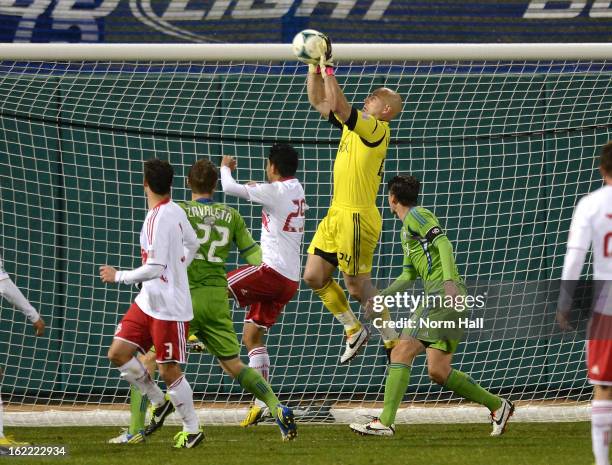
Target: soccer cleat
<point x="195" y="345"/>
<point x="373" y="428"/>
<point x="185" y="440"/>
<point x="158" y="415"/>
<point x="8" y="441"/>
<point x="254" y="415"/>
<point x="354" y="343"/>
<point x="126" y="438"/>
<point x="286" y="422"/>
<point x="500" y="417"/>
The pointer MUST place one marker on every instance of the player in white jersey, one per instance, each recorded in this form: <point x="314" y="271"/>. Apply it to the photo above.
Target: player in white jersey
<point x="10" y="292"/>
<point x="592" y="226"/>
<point x="162" y="310"/>
<point x="267" y="288"/>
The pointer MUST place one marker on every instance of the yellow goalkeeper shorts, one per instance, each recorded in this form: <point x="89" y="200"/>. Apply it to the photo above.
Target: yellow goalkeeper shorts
<point x="347" y="238"/>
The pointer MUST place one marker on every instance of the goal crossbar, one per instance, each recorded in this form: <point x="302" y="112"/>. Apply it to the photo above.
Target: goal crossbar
<point x="282" y="52"/>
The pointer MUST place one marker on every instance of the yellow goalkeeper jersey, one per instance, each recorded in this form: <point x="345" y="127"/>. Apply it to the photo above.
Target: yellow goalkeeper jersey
<point x="360" y="159"/>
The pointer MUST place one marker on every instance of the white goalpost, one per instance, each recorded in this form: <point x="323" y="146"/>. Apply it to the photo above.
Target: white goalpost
<point x="503" y="137"/>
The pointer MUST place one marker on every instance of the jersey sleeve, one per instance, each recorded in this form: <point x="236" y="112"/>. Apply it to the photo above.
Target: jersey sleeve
<point x="425" y="224"/>
<point x="334" y="120"/>
<point x="242" y="236"/>
<point x="264" y="194"/>
<point x="580" y="234"/>
<point x="371" y="131"/>
<point x="403" y="281"/>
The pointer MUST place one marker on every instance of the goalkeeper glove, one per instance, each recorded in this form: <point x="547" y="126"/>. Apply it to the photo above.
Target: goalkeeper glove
<point x="326" y="63"/>
<point x="326" y="60"/>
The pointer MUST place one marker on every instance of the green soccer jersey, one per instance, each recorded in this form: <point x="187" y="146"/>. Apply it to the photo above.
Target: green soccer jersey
<point x="428" y="253"/>
<point x="218" y="227"/>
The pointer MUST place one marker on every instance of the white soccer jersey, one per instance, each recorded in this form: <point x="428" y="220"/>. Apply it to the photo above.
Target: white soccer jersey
<point x="3" y="273"/>
<point x="164" y="234"/>
<point x="282" y="228"/>
<point x="592" y="225"/>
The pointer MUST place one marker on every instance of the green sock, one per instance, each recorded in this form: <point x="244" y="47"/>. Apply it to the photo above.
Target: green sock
<point x="138" y="410"/>
<point x="252" y="381"/>
<point x="398" y="378"/>
<point x="462" y="384"/>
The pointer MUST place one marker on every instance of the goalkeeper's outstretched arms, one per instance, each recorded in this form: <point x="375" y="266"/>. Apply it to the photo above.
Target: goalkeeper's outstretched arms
<point x="324" y="92"/>
<point x="10" y="292"/>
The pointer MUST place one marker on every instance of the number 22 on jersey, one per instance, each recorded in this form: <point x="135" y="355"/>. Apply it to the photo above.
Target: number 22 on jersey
<point x="223" y="232"/>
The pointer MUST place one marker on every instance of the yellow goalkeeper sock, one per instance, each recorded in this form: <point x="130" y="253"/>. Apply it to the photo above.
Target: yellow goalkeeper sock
<point x="389" y="335"/>
<point x="335" y="301"/>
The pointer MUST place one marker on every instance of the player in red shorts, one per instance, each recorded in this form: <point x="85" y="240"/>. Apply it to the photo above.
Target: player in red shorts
<point x="592" y="225"/>
<point x="267" y="288"/>
<point x="162" y="310"/>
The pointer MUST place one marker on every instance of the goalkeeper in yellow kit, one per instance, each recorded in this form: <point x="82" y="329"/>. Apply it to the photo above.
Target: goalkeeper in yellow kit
<point x="347" y="236"/>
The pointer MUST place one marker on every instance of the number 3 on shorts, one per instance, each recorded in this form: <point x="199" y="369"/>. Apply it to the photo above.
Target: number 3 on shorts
<point x="168" y="351"/>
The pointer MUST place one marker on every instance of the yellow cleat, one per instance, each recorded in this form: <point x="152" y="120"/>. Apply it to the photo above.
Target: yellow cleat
<point x="195" y="345"/>
<point x="8" y="441"/>
<point x="254" y="416"/>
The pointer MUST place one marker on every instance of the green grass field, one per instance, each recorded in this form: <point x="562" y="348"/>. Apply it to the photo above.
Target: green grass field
<point x="524" y="443"/>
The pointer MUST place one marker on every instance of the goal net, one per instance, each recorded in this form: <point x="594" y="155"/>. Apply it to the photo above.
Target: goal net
<point x="503" y="138"/>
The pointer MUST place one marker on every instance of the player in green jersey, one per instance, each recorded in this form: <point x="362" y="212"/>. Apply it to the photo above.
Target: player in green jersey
<point x="428" y="254"/>
<point x="219" y="228"/>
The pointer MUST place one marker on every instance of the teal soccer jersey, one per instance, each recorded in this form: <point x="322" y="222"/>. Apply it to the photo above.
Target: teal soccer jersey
<point x="218" y="228"/>
<point x="420" y="232"/>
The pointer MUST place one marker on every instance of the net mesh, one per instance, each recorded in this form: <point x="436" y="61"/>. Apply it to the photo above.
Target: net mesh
<point x="503" y="150"/>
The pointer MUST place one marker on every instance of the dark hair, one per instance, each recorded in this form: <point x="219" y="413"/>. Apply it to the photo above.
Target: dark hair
<point x="158" y="174"/>
<point x="203" y="176"/>
<point x="405" y="188"/>
<point x="285" y="158"/>
<point x="606" y="158"/>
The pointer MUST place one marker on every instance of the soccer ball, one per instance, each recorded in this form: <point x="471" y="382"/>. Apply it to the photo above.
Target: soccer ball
<point x="308" y="46"/>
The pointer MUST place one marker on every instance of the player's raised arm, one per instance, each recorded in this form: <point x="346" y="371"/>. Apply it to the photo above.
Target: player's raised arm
<point x="255" y="192"/>
<point x="316" y="86"/>
<point x="334" y="96"/>
<point x="228" y="183"/>
<point x="316" y="91"/>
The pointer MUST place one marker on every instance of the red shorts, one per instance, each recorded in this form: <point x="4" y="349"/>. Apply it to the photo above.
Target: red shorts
<point x="262" y="289"/>
<point x="599" y="349"/>
<point x="144" y="331"/>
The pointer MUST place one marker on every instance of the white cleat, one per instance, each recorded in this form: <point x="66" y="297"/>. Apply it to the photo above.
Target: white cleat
<point x="500" y="417"/>
<point x="373" y="428"/>
<point x="127" y="438"/>
<point x="354" y="343"/>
